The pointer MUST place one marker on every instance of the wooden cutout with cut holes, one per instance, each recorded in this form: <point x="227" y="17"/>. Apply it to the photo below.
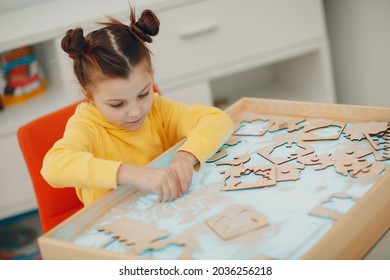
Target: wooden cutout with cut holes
<point x="220" y="154"/>
<point x="246" y="117"/>
<point x="290" y="124"/>
<point x="369" y="173"/>
<point x="267" y="151"/>
<point x="266" y="174"/>
<point x="160" y="244"/>
<point x="288" y="172"/>
<point x="384" y="156"/>
<point x="379" y="141"/>
<point x="350" y="160"/>
<point x="274" y="124"/>
<point x="236" y="221"/>
<point x="324" y="160"/>
<point x="325" y="212"/>
<point x="355" y="131"/>
<point x="240" y="160"/>
<point x="309" y="135"/>
<point x="142" y="236"/>
<point x="233" y="140"/>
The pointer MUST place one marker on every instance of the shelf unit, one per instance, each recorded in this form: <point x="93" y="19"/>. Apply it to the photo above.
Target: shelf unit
<point x="206" y="51"/>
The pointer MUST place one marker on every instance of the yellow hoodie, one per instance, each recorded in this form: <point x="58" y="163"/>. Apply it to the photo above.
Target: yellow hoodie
<point x="92" y="149"/>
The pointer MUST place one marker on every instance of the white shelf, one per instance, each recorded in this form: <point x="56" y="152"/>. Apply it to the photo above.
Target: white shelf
<point x="297" y="78"/>
<point x="12" y="117"/>
<point x="48" y="20"/>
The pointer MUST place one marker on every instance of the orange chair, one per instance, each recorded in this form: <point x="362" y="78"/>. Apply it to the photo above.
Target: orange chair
<point x="35" y="139"/>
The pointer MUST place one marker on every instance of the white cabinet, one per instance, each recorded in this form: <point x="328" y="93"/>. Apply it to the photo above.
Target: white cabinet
<point x="263" y="48"/>
<point x="211" y="52"/>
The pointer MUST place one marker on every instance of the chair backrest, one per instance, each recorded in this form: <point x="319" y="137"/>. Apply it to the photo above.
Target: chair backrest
<point x="35" y="139"/>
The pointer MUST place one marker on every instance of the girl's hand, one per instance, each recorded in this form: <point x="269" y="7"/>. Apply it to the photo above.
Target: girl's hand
<point x="169" y="183"/>
<point x="182" y="166"/>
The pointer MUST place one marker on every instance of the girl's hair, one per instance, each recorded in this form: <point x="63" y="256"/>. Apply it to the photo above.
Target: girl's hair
<point x="112" y="51"/>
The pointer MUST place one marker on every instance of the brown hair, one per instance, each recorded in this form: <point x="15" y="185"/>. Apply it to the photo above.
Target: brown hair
<point x="111" y="51"/>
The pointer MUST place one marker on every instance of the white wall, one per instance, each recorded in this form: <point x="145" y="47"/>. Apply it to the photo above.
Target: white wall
<point x="359" y="32"/>
<point x="10" y="5"/>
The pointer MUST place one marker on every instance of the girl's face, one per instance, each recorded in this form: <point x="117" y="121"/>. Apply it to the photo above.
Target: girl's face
<point x="126" y="102"/>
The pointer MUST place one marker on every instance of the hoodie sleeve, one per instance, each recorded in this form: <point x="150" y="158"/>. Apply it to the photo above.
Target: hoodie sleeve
<point x="205" y="128"/>
<point x="71" y="161"/>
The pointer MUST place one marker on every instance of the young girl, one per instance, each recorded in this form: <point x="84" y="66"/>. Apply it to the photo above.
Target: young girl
<point x="123" y="124"/>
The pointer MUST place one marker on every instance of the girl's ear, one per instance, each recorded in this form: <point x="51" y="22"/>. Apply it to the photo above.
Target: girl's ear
<point x="87" y="95"/>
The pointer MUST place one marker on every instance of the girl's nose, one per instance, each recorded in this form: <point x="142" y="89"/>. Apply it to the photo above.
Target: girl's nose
<point x="134" y="110"/>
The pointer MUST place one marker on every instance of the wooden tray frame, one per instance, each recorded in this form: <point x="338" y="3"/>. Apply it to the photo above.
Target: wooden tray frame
<point x="351" y="237"/>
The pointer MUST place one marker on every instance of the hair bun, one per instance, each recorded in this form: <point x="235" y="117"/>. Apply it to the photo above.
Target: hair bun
<point x="74" y="42"/>
<point x="146" y="26"/>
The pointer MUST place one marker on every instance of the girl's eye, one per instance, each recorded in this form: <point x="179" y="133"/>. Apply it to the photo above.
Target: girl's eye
<point x="116" y="105"/>
<point x="143" y="95"/>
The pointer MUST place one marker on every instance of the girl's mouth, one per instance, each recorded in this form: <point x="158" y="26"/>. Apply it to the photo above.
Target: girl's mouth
<point x="135" y="122"/>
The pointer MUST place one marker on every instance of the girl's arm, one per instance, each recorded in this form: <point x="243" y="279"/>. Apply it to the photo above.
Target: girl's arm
<point x="205" y="128"/>
<point x="169" y="183"/>
<point x="71" y="162"/>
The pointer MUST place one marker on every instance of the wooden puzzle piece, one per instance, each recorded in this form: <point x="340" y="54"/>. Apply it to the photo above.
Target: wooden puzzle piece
<point x="291" y="124"/>
<point x="233" y="140"/>
<point x="142" y="236"/>
<point x="246" y="117"/>
<point x="379" y="141"/>
<point x="382" y="155"/>
<point x="350" y="160"/>
<point x="370" y="171"/>
<point x="158" y="244"/>
<point x="265" y="173"/>
<point x="273" y="125"/>
<point x="355" y="131"/>
<point x="237" y="161"/>
<point x="235" y="221"/>
<point x="288" y="172"/>
<point x="266" y="152"/>
<point x="324" y="160"/>
<point x="233" y="173"/>
<point x="326" y="212"/>
<point x="221" y="153"/>
<point x="309" y="135"/>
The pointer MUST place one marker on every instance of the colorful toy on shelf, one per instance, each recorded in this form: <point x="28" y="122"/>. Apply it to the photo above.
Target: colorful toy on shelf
<point x="21" y="76"/>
